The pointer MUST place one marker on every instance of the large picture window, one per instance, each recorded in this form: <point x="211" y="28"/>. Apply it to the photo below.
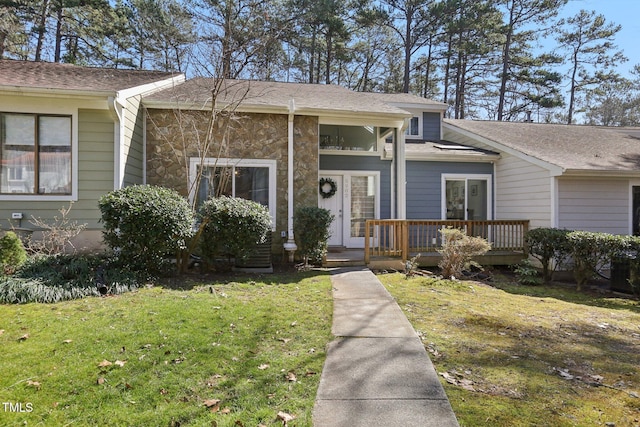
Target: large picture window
<point x="248" y="179"/>
<point x="35" y="154"/>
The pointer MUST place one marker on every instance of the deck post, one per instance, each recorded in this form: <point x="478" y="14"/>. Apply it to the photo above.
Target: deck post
<point x="367" y="234"/>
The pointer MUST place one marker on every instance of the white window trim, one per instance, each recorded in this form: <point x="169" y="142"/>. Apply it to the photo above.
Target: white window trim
<point x="419" y="135"/>
<point x="194" y="162"/>
<point x="74" y="159"/>
<point x="465" y="177"/>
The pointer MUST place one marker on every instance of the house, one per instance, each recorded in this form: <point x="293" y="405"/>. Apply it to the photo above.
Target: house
<point x="69" y="134"/>
<point x="287" y="140"/>
<point x="573" y="177"/>
<point x="87" y="131"/>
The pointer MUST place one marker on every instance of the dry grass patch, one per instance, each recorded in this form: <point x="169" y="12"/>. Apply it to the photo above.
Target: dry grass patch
<point x="511" y="355"/>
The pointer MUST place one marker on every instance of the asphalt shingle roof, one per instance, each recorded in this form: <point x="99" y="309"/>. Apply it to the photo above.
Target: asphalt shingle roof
<point x="277" y="95"/>
<point x="47" y="75"/>
<point x="574" y="147"/>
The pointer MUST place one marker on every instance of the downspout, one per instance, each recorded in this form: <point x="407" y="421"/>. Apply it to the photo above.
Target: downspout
<point x="117" y="111"/>
<point x="290" y="245"/>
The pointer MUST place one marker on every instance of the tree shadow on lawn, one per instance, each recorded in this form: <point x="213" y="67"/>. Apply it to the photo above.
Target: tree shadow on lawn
<point x="283" y="274"/>
<point x="596" y="293"/>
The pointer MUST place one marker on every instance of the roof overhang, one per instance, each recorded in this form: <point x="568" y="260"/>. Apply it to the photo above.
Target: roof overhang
<point x="554" y="170"/>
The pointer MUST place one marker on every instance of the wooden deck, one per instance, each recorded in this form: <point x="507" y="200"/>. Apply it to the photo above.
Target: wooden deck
<point x="392" y="242"/>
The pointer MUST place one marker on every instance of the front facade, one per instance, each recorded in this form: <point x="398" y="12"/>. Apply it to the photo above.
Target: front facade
<point x="71" y="134"/>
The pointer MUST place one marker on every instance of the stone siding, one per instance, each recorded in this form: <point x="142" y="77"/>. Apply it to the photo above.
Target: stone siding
<point x="173" y="137"/>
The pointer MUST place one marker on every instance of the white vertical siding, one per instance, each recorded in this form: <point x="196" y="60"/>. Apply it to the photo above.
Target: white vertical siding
<point x="594" y="205"/>
<point x="523" y="191"/>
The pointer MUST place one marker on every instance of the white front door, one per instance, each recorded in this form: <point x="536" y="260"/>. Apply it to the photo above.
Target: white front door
<point x="356" y="200"/>
<point x="334" y="204"/>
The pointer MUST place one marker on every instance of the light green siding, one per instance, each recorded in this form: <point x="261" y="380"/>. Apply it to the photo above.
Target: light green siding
<point x="95" y="176"/>
<point x="132" y="155"/>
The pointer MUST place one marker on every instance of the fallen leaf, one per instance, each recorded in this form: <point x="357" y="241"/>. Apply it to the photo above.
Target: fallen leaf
<point x="212" y="404"/>
<point x="163" y="391"/>
<point x="294" y="323"/>
<point x="225" y="411"/>
<point x="263" y="366"/>
<point x="285" y="418"/>
<point x="67" y="341"/>
<point x="104" y="364"/>
<point x="24" y="337"/>
<point x="310" y="374"/>
<point x="120" y="363"/>
<point x="35" y="384"/>
<point x="284" y="340"/>
<point x="291" y="377"/>
<point x="1" y="331"/>
<point x="127" y="386"/>
<point x="100" y="381"/>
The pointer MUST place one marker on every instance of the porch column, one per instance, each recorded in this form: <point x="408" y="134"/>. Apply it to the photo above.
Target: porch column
<point x="290" y="245"/>
<point x="401" y="172"/>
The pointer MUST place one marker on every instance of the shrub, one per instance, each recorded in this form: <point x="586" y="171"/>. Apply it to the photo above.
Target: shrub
<point x="311" y="229"/>
<point x="144" y="224"/>
<point x="548" y="245"/>
<point x="49" y="279"/>
<point x="56" y="234"/>
<point x="592" y="252"/>
<point x="458" y="251"/>
<point x="12" y="253"/>
<point x="232" y="228"/>
<point x="527" y="274"/>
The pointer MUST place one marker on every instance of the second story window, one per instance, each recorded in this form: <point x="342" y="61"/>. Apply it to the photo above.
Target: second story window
<point x="414" y="127"/>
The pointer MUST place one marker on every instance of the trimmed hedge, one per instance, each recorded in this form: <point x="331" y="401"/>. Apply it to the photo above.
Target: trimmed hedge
<point x="232" y="228"/>
<point x="144" y="224"/>
<point x="586" y="252"/>
<point x="12" y="253"/>
<point x="311" y="230"/>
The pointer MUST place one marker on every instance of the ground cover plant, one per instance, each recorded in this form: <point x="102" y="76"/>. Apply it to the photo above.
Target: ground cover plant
<point x="514" y="355"/>
<point x="233" y="352"/>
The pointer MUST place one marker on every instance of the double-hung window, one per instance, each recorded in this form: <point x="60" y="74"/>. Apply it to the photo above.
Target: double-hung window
<point x="248" y="179"/>
<point x="35" y="154"/>
<point x="413" y="130"/>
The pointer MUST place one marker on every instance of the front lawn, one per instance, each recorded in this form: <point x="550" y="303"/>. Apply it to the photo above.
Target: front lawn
<point x="215" y="354"/>
<point x="513" y="355"/>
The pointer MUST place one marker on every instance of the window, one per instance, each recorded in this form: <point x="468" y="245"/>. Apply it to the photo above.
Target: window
<point x="414" y="127"/>
<point x="248" y="179"/>
<point x="35" y="153"/>
<point x="348" y="138"/>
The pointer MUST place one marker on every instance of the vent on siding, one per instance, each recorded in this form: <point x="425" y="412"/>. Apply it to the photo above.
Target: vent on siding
<point x="261" y="257"/>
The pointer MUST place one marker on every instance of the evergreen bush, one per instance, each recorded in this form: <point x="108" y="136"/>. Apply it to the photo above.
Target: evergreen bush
<point x="145" y="224"/>
<point x="311" y="229"/>
<point x="12" y="253"/>
<point x="232" y="228"/>
<point x="549" y="246"/>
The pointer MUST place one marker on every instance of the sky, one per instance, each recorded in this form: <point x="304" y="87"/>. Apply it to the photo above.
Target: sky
<point x="623" y="12"/>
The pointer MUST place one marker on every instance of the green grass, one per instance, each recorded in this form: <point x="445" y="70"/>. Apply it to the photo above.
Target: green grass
<point x="236" y="342"/>
<point x="528" y="356"/>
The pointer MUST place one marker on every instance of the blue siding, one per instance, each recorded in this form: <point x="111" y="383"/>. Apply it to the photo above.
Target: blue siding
<point x="431" y="126"/>
<point x="424" y="185"/>
<point x="364" y="163"/>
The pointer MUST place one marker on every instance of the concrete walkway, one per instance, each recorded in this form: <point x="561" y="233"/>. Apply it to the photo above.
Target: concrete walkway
<point x="377" y="372"/>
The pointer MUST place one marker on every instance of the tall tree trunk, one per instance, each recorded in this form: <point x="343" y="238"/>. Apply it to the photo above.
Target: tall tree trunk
<point x="41" y="29"/>
<point x="506" y="57"/>
<point x="407" y="52"/>
<point x="312" y="55"/>
<point x="58" y="47"/>
<point x="327" y="65"/>
<point x="447" y="69"/>
<point x="572" y="92"/>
